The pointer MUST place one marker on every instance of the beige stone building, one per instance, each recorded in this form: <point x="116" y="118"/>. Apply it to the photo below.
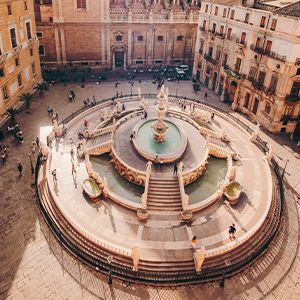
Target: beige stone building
<point x="19" y="58"/>
<point x="117" y="34"/>
<point x="251" y="58"/>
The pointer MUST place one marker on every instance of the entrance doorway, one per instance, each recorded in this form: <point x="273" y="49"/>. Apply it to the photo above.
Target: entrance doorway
<point x="255" y="106"/>
<point x="232" y="90"/>
<point x="119" y="59"/>
<point x="297" y="132"/>
<point x="214" y="81"/>
<point x="206" y="83"/>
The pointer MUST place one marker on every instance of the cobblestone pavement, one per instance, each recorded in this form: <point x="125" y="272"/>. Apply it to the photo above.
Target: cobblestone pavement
<point x="34" y="265"/>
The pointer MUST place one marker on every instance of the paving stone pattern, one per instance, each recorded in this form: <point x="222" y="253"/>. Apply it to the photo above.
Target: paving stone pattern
<point x="34" y="265"/>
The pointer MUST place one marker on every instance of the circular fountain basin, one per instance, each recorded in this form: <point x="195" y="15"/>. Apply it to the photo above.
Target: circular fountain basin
<point x="233" y="191"/>
<point x="170" y="150"/>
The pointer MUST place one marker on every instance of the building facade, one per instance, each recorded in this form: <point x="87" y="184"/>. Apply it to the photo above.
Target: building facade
<point x="117" y="34"/>
<point x="19" y="57"/>
<point x="250" y="58"/>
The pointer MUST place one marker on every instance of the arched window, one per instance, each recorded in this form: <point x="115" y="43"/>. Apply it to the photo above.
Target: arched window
<point x="267" y="108"/>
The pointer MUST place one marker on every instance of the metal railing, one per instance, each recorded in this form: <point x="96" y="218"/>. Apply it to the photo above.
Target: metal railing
<point x="166" y="278"/>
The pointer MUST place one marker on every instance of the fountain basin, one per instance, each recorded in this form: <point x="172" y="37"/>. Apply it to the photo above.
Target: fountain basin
<point x="169" y="150"/>
<point x="233" y="191"/>
<point x="91" y="188"/>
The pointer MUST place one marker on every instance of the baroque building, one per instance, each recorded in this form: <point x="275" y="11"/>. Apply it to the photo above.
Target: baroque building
<point x="117" y="34"/>
<point x="251" y="58"/>
<point x="19" y="56"/>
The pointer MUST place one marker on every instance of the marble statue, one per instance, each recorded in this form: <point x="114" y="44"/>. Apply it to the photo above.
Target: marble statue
<point x="199" y="256"/>
<point x="135" y="256"/>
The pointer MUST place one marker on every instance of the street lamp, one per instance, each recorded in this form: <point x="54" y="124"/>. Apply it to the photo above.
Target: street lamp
<point x="283" y="172"/>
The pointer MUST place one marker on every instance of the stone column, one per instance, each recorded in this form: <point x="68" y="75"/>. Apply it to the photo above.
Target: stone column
<point x="57" y="45"/>
<point x="129" y="53"/>
<point x="124" y="66"/>
<point x="113" y="60"/>
<point x="235" y="103"/>
<point x="108" y="51"/>
<point x="63" y="45"/>
<point x="60" y="11"/>
<point x="103" y="45"/>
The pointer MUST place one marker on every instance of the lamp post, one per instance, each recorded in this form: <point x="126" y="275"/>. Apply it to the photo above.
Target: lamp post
<point x="283" y="172"/>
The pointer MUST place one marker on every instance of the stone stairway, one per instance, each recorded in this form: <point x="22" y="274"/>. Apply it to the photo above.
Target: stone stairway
<point x="164" y="194"/>
<point x="98" y="140"/>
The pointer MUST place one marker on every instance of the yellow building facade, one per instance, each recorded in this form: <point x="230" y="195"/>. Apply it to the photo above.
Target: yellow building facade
<point x="19" y="56"/>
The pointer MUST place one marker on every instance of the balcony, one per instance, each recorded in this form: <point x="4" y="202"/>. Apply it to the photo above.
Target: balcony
<point x="271" y="54"/>
<point x="201" y="28"/>
<point x="16" y="50"/>
<point x="235" y="73"/>
<point x="220" y="35"/>
<point x="292" y="98"/>
<point x="289" y="118"/>
<point x="241" y="43"/>
<point x="32" y="40"/>
<point x="210" y="59"/>
<point x="3" y="58"/>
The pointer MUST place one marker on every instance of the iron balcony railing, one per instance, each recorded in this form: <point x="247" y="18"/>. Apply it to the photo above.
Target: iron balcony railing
<point x="268" y="53"/>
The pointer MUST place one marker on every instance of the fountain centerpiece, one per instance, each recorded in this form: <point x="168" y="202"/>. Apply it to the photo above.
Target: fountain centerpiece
<point x="159" y="127"/>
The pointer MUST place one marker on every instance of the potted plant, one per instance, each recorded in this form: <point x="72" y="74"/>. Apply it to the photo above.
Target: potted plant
<point x="11" y="112"/>
<point x="41" y="87"/>
<point x="26" y="98"/>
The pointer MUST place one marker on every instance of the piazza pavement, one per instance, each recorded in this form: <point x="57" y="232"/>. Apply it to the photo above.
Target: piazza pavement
<point x="35" y="266"/>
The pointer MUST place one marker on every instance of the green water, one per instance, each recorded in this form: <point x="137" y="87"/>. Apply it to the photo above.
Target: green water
<point x="209" y="182"/>
<point x="233" y="189"/>
<point x="115" y="182"/>
<point x="146" y="142"/>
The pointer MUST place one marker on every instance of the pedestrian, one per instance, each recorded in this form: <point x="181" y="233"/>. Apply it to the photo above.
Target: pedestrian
<point x="194" y="242"/>
<point x="175" y="169"/>
<point x="20" y="169"/>
<point x="3" y="157"/>
<point x="212" y="116"/>
<point x="50" y="111"/>
<point x="232" y="231"/>
<point x="85" y="123"/>
<point x="161" y="164"/>
<point x="37" y="140"/>
<point x="123" y="106"/>
<point x="74" y="172"/>
<point x="145" y="114"/>
<point x="54" y="176"/>
<point x="70" y="97"/>
<point x="131" y="137"/>
<point x="71" y="142"/>
<point x="72" y="154"/>
<point x="156" y="161"/>
<point x="73" y="94"/>
<point x="205" y="96"/>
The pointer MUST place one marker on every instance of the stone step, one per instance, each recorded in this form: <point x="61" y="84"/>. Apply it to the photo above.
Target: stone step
<point x="164" y="199"/>
<point x="164" y="193"/>
<point x="164" y="202"/>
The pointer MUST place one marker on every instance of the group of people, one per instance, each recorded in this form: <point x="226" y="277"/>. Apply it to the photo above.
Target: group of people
<point x="3" y="153"/>
<point x="35" y="145"/>
<point x="158" y="162"/>
<point x="89" y="102"/>
<point x="16" y="132"/>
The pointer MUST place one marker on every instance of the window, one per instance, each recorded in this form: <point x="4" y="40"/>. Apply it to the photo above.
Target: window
<point x="41" y="50"/>
<point x="268" y="47"/>
<point x="204" y="25"/>
<point x="273" y="83"/>
<point x="19" y="80"/>
<point x="247" y="100"/>
<point x="81" y="4"/>
<point x="262" y="22"/>
<point x="255" y="106"/>
<point x="158" y="61"/>
<point x="218" y="54"/>
<point x="208" y="69"/>
<point x="119" y="38"/>
<point x="210" y="51"/>
<point x="1" y="73"/>
<point x="298" y="71"/>
<point x="237" y="66"/>
<point x="139" y="62"/>
<point x="13" y="37"/>
<point x="252" y="73"/>
<point x="160" y="38"/>
<point x="243" y="38"/>
<point x="258" y="42"/>
<point x="201" y="46"/>
<point x="232" y="15"/>
<point x="39" y="34"/>
<point x="229" y="30"/>
<point x="214" y="28"/>
<point x="140" y="38"/>
<point x="179" y="38"/>
<point x="9" y="10"/>
<point x="33" y="68"/>
<point x="261" y="77"/>
<point x="206" y="8"/>
<point x="31" y="51"/>
<point x="295" y="90"/>
<point x="267" y="108"/>
<point x="216" y="10"/>
<point x="224" y="13"/>
<point x="25" y="5"/>
<point x="221" y="29"/>
<point x="225" y="57"/>
<point x="4" y="92"/>
<point x="273" y="24"/>
<point x="247" y="18"/>
<point x="17" y="62"/>
<point x="28" y="30"/>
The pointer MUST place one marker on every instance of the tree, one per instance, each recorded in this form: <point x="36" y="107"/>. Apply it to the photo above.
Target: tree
<point x="11" y="112"/>
<point x="41" y="87"/>
<point x="27" y="98"/>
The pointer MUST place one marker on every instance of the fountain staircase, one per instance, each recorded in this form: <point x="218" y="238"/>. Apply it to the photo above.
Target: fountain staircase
<point x="164" y="194"/>
<point x="96" y="144"/>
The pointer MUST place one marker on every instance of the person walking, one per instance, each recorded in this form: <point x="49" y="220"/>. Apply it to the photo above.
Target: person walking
<point x="194" y="242"/>
<point x="161" y="164"/>
<point x="175" y="169"/>
<point x="232" y="231"/>
<point x="205" y="96"/>
<point x="54" y="176"/>
<point x="20" y="169"/>
<point x="72" y="154"/>
<point x="74" y="172"/>
<point x="37" y="140"/>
